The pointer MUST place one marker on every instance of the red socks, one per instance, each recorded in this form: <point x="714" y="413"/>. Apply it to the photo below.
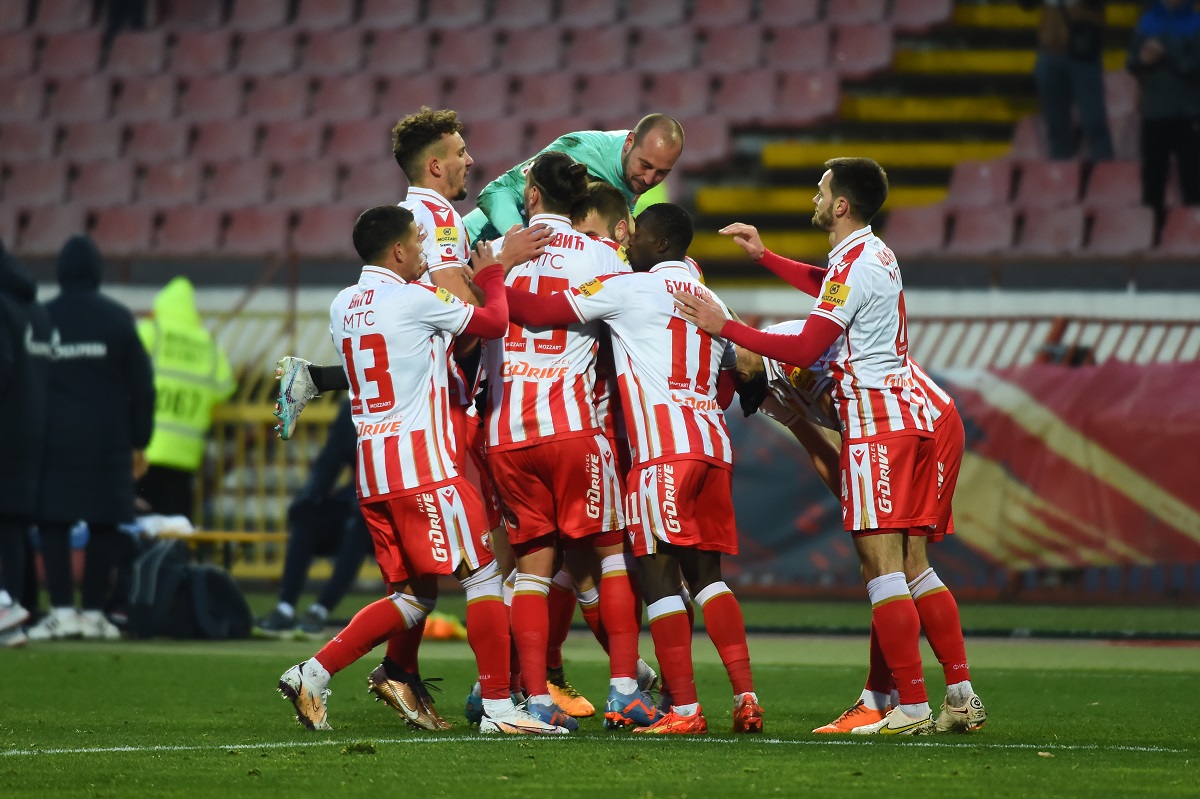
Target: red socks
<point x="727" y="629"/>
<point x="618" y="611"/>
<point x="562" y="612"/>
<point x="673" y="647"/>
<point x="942" y="625"/>
<point x="403" y="647"/>
<point x="487" y="633"/>
<point x="370" y="627"/>
<point x="894" y="617"/>
<point x="531" y="629"/>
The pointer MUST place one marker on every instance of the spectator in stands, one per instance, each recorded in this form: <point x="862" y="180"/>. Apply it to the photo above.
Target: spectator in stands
<point x="24" y="336"/>
<point x="324" y="518"/>
<point x="191" y="376"/>
<point x="1070" y="72"/>
<point x="1164" y="55"/>
<point x="100" y="407"/>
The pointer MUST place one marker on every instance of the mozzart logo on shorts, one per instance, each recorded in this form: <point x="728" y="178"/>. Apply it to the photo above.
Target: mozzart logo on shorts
<point x="427" y="504"/>
<point x="593" y="492"/>
<point x="669" y="508"/>
<point x="883" y="485"/>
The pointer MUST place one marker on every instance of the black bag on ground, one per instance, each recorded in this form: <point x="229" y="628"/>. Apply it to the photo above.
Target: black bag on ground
<point x="171" y="596"/>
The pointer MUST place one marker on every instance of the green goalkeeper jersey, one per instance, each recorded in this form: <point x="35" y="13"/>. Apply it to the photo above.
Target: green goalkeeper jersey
<point x="501" y="203"/>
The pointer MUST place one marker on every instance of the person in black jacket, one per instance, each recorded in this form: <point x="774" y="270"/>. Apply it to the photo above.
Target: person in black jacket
<point x="100" y="404"/>
<point x="24" y="338"/>
<point x="323" y="519"/>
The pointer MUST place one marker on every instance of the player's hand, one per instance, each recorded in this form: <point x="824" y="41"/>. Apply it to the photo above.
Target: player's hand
<point x="701" y="312"/>
<point x="746" y="237"/>
<point x="524" y="244"/>
<point x="483" y="256"/>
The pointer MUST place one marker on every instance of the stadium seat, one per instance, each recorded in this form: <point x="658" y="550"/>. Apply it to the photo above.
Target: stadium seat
<point x="859" y="50"/>
<point x="806" y="97"/>
<point x="680" y="94"/>
<point x="169" y="184"/>
<point x="1120" y="93"/>
<point x="1114" y="184"/>
<point x="269" y="52"/>
<point x="465" y="51"/>
<point x="707" y="142"/>
<point x="276" y="98"/>
<point x="199" y="53"/>
<point x="27" y="141"/>
<point x="1029" y="139"/>
<point x="345" y="97"/>
<point x="258" y="15"/>
<point x="141" y="99"/>
<point x="485" y="95"/>
<point x="81" y="99"/>
<point x="17" y="51"/>
<point x="797" y="48"/>
<point x="325" y="232"/>
<point x="514" y="14"/>
<point x="292" y="140"/>
<point x="586" y="13"/>
<point x="337" y="52"/>
<point x="1051" y="232"/>
<point x="980" y="184"/>
<point x="47" y="229"/>
<point x="179" y="15"/>
<point x="915" y="231"/>
<point x="1048" y="184"/>
<point x="789" y="12"/>
<point x="406" y="95"/>
<point x="122" y="232"/>
<point x="979" y="232"/>
<point x="190" y="230"/>
<point x="660" y="12"/>
<point x="152" y="142"/>
<point x="225" y="139"/>
<point x="664" y="49"/>
<point x="1121" y="232"/>
<point x="404" y="51"/>
<point x="61" y="16"/>
<point x="92" y="141"/>
<point x="611" y="96"/>
<point x="21" y="99"/>
<point x="455" y="13"/>
<point x="1180" y="234"/>
<point x="36" y="183"/>
<point x="14" y="14"/>
<point x="68" y="55"/>
<point x="237" y="184"/>
<point x="137" y="53"/>
<point x="712" y="13"/>
<point x="102" y="184"/>
<point x="733" y="47"/>
<point x="856" y="12"/>
<point x="544" y="131"/>
<point x="377" y="15"/>
<point x="324" y="15"/>
<point x="598" y="50"/>
<point x="917" y="16"/>
<point x="746" y="98"/>
<point x="208" y="98"/>
<point x="491" y="143"/>
<point x="530" y="51"/>
<point x="368" y="184"/>
<point x="544" y="96"/>
<point x="355" y="140"/>
<point x="8" y="224"/>
<point x="306" y="183"/>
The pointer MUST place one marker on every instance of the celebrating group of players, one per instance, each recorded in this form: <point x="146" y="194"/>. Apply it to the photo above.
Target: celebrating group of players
<point x="545" y="421"/>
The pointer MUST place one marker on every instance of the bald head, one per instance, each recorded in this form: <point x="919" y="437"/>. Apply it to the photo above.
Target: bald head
<point x="650" y="152"/>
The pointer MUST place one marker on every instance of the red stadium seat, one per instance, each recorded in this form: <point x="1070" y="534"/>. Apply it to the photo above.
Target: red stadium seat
<point x="1029" y="139"/>
<point x="201" y="53"/>
<point x="306" y="183"/>
<point x="490" y="143"/>
<point x="980" y="184"/>
<point x="746" y="98"/>
<point x="17" y="51"/>
<point x="225" y="140"/>
<point x="27" y="141"/>
<point x="206" y="99"/>
<point x="256" y="232"/>
<point x="1120" y="93"/>
<point x="47" y="229"/>
<point x="710" y="13"/>
<point x="21" y="99"/>
<point x="1048" y="184"/>
<point x="358" y="140"/>
<point x="325" y="232"/>
<point x="980" y="232"/>
<point x="190" y="14"/>
<point x="594" y="51"/>
<point x="84" y="99"/>
<point x="102" y="184"/>
<point x="913" y="232"/>
<point x="68" y="55"/>
<point x="586" y="13"/>
<point x="530" y="51"/>
<point x="92" y="141"/>
<point x="465" y="51"/>
<point x="122" y="232"/>
<point x="36" y="183"/>
<point x="269" y="52"/>
<point x="1121" y="232"/>
<point x="292" y="140"/>
<point x="806" y="97"/>
<point x="346" y="97"/>
<point x="733" y="47"/>
<point x="1114" y="184"/>
<point x="789" y="12"/>
<point x="455" y="13"/>
<point x="323" y="15"/>
<point x="1050" y="232"/>
<point x="271" y="99"/>
<point x="664" y="49"/>
<point x="140" y="99"/>
<point x="237" y="184"/>
<point x="859" y="50"/>
<point x="680" y="94"/>
<point x="1180" y="234"/>
<point x="170" y="184"/>
<point x="404" y="51"/>
<point x="798" y="48"/>
<point x="513" y="14"/>
<point x="612" y="96"/>
<point x="333" y="52"/>
<point x="258" y="15"/>
<point x="191" y="230"/>
<point x="544" y="96"/>
<point x="369" y="184"/>
<point x="660" y="12"/>
<point x="485" y="95"/>
<point x="707" y="142"/>
<point x="407" y="95"/>
<point x="8" y="223"/>
<point x="856" y="12"/>
<point x="137" y="53"/>
<point x="383" y="14"/>
<point x="544" y="131"/>
<point x="917" y="16"/>
<point x="61" y="16"/>
<point x="152" y="142"/>
<point x="14" y="14"/>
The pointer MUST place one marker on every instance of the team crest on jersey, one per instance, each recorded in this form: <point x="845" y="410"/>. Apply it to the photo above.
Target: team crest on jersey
<point x="445" y="296"/>
<point x="591" y="288"/>
<point x="835" y="293"/>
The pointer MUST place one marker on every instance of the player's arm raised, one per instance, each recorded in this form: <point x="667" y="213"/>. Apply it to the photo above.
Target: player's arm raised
<point x="491" y="319"/>
<point x="806" y="277"/>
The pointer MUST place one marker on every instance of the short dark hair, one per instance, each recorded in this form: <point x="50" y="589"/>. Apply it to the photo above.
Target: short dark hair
<point x="606" y="200"/>
<point x="671" y="222"/>
<point x="562" y="180"/>
<point x="413" y="135"/>
<point x="669" y="127"/>
<point x="861" y="181"/>
<point x="378" y="228"/>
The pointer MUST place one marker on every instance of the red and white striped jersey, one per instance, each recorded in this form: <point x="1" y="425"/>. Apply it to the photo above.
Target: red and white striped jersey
<point x="873" y="385"/>
<point x="393" y="337"/>
<point x="666" y="367"/>
<point x="936" y="397"/>
<point x="542" y="380"/>
<point x="445" y="233"/>
<point x="795" y="392"/>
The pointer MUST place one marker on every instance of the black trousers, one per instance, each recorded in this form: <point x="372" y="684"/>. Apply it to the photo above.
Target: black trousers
<point x="1161" y="138"/>
<point x="104" y="549"/>
<point x="305" y="531"/>
<point x="14" y="537"/>
<point x="168" y="491"/>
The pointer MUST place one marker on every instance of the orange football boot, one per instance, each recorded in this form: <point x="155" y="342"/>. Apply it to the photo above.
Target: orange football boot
<point x="857" y="715"/>
<point x="747" y="716"/>
<point x="675" y="724"/>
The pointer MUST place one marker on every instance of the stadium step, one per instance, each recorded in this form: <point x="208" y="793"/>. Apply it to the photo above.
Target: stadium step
<point x="980" y="62"/>
<point x="803" y="244"/>
<point x="757" y="201"/>
<point x="897" y="155"/>
<point x="1011" y="15"/>
<point x="936" y="109"/>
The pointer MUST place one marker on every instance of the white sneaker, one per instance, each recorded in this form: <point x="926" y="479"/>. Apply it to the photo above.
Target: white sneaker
<point x="897" y="722"/>
<point x="14" y="638"/>
<point x="309" y="703"/>
<point x="968" y="718"/>
<point x="13" y="615"/>
<point x="295" y="390"/>
<point x="56" y="625"/>
<point x="516" y="720"/>
<point x="94" y="627"/>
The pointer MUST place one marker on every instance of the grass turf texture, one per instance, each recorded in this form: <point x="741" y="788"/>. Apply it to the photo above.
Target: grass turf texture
<point x="195" y="719"/>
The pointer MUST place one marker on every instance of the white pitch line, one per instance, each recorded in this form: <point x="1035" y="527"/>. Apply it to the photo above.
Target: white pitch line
<point x="639" y="741"/>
